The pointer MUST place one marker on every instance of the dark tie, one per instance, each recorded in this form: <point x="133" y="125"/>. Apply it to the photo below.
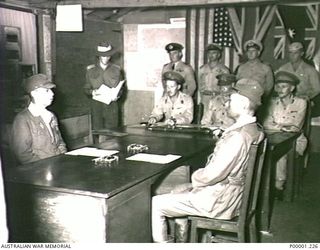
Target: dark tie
<point x="173" y="65"/>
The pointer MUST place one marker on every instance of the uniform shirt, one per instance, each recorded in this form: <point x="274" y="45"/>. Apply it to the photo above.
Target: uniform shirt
<point x="309" y="79"/>
<point x="258" y="71"/>
<point x="96" y="76"/>
<point x="187" y="72"/>
<point x="291" y="115"/>
<point x="207" y="80"/>
<point x="217" y="113"/>
<point x="32" y="140"/>
<point x="181" y="110"/>
<point x="218" y="187"/>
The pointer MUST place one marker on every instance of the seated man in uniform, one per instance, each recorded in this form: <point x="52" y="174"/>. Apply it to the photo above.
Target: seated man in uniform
<point x="215" y="191"/>
<point x="174" y="107"/>
<point x="217" y="113"/>
<point x="35" y="131"/>
<point x="286" y="113"/>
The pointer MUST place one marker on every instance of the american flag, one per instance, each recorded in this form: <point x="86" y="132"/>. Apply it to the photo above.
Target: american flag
<point x="222" y="33"/>
<point x="209" y="25"/>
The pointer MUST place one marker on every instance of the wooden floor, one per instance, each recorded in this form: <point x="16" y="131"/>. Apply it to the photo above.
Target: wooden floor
<point x="299" y="221"/>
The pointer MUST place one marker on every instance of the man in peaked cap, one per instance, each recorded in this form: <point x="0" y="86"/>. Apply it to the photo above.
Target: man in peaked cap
<point x="103" y="75"/>
<point x="309" y="85"/>
<point x="253" y="68"/>
<point x="217" y="113"/>
<point x="175" y="107"/>
<point x="286" y="112"/>
<point x="207" y="81"/>
<point x="214" y="191"/>
<point x="35" y="131"/>
<point x="175" y="54"/>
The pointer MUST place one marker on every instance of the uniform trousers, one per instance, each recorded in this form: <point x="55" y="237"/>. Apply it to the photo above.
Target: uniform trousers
<point x="104" y="116"/>
<point x="171" y="205"/>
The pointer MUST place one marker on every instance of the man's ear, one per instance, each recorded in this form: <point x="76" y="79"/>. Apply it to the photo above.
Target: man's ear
<point x="179" y="86"/>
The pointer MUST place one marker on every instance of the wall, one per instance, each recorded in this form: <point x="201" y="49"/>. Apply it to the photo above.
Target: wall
<point x="74" y="52"/>
<point x="27" y="24"/>
<point x="144" y="57"/>
<point x="24" y="46"/>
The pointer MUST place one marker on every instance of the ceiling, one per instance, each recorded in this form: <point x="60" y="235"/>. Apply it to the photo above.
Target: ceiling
<point x="116" y="10"/>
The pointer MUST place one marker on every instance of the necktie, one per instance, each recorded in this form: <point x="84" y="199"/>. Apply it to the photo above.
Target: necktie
<point x="173" y="65"/>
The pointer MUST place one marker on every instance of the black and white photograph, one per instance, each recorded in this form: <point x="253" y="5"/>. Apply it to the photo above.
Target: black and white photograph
<point x="159" y="121"/>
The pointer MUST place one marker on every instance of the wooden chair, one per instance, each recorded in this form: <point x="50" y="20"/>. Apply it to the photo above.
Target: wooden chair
<point x="76" y="131"/>
<point x="239" y="228"/>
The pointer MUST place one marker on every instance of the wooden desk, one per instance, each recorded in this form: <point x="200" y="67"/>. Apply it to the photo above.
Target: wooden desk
<point x="279" y="144"/>
<point x="67" y="199"/>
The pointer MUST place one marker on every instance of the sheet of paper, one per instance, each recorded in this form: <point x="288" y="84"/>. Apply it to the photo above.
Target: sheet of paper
<point x="105" y="94"/>
<point x="95" y="152"/>
<point x="153" y="158"/>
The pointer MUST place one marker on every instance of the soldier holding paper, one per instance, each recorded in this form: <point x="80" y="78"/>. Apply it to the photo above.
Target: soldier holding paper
<point x="103" y="85"/>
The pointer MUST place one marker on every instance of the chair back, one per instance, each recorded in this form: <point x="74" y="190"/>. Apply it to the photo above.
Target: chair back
<point x="252" y="185"/>
<point x="76" y="131"/>
<point x="197" y="113"/>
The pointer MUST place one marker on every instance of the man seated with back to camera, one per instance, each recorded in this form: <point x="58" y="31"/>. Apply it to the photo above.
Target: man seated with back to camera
<point x="216" y="190"/>
<point x="286" y="113"/>
<point x="174" y="107"/>
<point x="217" y="113"/>
<point x="35" y="131"/>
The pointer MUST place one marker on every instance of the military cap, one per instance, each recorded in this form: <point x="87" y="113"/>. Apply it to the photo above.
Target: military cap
<point x="173" y="76"/>
<point x="173" y="46"/>
<point x="253" y="44"/>
<point x="214" y="46"/>
<point x="104" y="49"/>
<point x="287" y="77"/>
<point x="251" y="89"/>
<point x="38" y="81"/>
<point x="225" y="79"/>
<point x="295" y="46"/>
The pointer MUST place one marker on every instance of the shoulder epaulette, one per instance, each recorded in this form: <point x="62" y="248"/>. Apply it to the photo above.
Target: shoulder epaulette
<point x="91" y="66"/>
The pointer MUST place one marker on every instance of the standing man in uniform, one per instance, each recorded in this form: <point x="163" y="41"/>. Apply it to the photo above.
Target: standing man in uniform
<point x="175" y="54"/>
<point x="103" y="115"/>
<point x="207" y="80"/>
<point x="254" y="68"/>
<point x="309" y="85"/>
<point x="217" y="113"/>
<point x="174" y="107"/>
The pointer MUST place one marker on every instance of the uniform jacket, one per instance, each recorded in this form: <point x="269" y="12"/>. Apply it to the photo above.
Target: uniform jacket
<point x="218" y="187"/>
<point x="31" y="139"/>
<point x="217" y="113"/>
<point x="189" y="87"/>
<point x="181" y="110"/>
<point x="309" y="79"/>
<point x="291" y="115"/>
<point x="207" y="80"/>
<point x="258" y="71"/>
<point x="96" y="76"/>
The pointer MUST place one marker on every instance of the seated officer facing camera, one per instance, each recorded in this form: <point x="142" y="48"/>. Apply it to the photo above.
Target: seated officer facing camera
<point x="286" y="113"/>
<point x="35" y="132"/>
<point x="217" y="113"/>
<point x="174" y="107"/>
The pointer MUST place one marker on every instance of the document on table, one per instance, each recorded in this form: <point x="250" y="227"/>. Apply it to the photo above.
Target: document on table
<point x="95" y="152"/>
<point x="106" y="94"/>
<point x="154" y="158"/>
